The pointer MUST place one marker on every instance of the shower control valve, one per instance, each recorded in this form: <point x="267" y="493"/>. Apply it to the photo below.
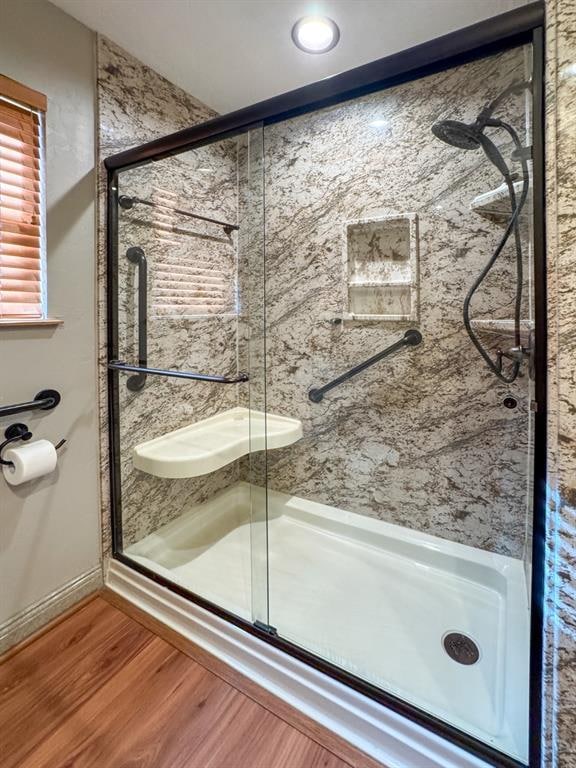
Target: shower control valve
<point x="514" y="353"/>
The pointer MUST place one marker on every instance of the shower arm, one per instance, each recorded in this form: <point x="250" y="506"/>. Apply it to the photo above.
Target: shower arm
<point x="512" y="90"/>
<point x="410" y="339"/>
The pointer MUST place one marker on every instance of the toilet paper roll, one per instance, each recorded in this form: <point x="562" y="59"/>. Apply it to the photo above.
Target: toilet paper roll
<point x="30" y="461"/>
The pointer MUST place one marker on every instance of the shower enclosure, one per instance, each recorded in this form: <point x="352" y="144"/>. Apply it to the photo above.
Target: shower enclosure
<point x="326" y="376"/>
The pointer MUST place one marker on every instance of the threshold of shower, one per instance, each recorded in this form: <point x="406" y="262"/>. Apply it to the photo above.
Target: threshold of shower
<point x="464" y="659"/>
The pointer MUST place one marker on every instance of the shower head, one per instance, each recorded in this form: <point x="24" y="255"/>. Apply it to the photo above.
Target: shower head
<point x="471" y="136"/>
<point x="457" y="134"/>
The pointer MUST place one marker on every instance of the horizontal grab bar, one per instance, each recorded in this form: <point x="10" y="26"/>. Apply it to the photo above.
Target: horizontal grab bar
<point x="119" y="365"/>
<point x="44" y="401"/>
<point x="127" y="202"/>
<point x="410" y="339"/>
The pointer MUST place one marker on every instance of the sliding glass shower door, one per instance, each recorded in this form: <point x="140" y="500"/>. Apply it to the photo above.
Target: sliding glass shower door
<point x="399" y="317"/>
<point x="189" y="376"/>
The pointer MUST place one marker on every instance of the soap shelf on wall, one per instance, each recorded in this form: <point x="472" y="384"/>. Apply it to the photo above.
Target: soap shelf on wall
<point x="495" y="204"/>
<point x="381" y="267"/>
<point x="504" y="328"/>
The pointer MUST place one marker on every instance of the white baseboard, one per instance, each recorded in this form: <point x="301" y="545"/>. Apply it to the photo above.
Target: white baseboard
<point x="24" y="624"/>
<point x="372" y="728"/>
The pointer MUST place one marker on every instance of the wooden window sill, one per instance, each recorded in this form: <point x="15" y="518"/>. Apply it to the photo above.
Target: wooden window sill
<point x="36" y="322"/>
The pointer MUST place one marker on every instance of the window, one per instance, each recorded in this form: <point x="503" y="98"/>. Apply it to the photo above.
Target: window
<point x="22" y="210"/>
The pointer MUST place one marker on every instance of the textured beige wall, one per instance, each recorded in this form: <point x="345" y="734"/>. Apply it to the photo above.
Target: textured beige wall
<point x="49" y="528"/>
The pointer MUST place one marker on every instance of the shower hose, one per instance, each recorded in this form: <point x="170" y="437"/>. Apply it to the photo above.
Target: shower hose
<point x="512" y="226"/>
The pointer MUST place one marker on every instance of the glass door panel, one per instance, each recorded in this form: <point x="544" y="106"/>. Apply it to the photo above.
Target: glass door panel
<point x="399" y="532"/>
<point x="251" y="347"/>
<point x="189" y="300"/>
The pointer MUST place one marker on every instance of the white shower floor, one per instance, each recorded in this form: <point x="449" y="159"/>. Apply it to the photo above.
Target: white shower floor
<point x="373" y="598"/>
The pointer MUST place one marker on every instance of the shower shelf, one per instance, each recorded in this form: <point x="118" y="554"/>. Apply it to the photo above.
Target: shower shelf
<point x="380" y="283"/>
<point x="503" y="327"/>
<point x="381" y="268"/>
<point x="213" y="443"/>
<point x="495" y="204"/>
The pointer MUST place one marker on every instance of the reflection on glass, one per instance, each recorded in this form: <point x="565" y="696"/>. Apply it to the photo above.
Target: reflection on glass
<point x="185" y="465"/>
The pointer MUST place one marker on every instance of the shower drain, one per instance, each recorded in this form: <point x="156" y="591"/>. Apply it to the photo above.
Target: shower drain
<point x="461" y="648"/>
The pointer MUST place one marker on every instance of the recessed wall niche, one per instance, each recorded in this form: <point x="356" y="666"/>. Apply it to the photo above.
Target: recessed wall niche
<point x="381" y="263"/>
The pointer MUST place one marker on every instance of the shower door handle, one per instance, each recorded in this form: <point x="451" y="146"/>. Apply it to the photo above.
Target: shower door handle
<point x="137" y="256"/>
<point x="120" y="365"/>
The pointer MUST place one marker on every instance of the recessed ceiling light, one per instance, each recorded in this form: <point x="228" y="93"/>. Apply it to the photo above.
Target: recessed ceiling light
<point x="315" y="34"/>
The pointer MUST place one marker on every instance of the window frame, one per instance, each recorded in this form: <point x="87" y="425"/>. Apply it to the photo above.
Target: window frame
<point x="25" y="98"/>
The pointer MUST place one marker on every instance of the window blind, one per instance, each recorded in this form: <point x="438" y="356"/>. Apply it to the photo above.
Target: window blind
<point x="21" y="209"/>
<point x="186" y="281"/>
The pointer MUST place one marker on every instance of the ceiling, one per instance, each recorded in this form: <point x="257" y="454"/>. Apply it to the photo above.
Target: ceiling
<point x="232" y="53"/>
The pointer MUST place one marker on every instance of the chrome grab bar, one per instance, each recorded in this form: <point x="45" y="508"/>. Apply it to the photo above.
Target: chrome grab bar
<point x="410" y="339"/>
<point x="120" y="365"/>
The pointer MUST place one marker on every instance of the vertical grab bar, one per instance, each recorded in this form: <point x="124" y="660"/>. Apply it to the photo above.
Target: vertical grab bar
<point x="137" y="256"/>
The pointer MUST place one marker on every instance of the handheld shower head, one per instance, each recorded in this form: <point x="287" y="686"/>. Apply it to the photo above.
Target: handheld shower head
<point x="457" y="134"/>
<point x="471" y="136"/>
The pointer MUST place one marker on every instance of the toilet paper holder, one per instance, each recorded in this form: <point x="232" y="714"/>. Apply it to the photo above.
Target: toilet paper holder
<point x="18" y="432"/>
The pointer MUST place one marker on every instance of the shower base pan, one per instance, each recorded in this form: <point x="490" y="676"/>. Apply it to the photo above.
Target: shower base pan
<point x="376" y="599"/>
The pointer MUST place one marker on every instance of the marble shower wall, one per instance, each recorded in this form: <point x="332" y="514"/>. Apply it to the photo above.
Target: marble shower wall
<point x="560" y="657"/>
<point x="192" y="320"/>
<point x="421" y="440"/>
<point x="193" y="329"/>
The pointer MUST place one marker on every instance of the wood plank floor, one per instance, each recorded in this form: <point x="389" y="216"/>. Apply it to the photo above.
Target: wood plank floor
<point x="99" y="690"/>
